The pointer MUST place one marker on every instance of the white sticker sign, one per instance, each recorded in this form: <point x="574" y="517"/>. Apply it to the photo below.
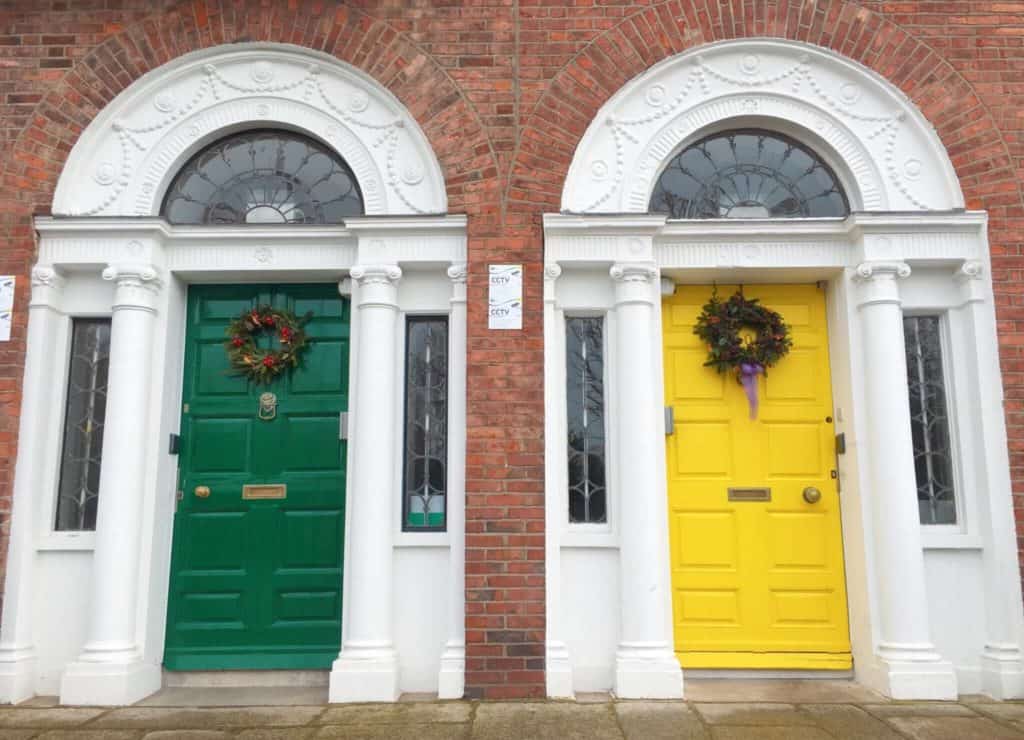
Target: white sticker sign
<point x="6" y="306"/>
<point x="505" y="297"/>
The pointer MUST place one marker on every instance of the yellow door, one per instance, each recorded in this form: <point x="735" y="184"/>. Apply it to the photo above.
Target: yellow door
<point x="756" y="583"/>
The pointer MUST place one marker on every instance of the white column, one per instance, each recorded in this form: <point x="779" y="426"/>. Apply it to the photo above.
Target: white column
<point x="110" y="669"/>
<point x="451" y="681"/>
<point x="367" y="668"/>
<point x="39" y="402"/>
<point x="1002" y="671"/>
<point x="558" y="667"/>
<point x="645" y="663"/>
<point x="913" y="668"/>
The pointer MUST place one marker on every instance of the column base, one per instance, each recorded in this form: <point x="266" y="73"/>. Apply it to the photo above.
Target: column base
<point x="451" y="679"/>
<point x="1002" y="672"/>
<point x="647" y="671"/>
<point x="17" y="675"/>
<point x="363" y="674"/>
<point x="558" y="671"/>
<point x="94" y="683"/>
<point x="917" y="672"/>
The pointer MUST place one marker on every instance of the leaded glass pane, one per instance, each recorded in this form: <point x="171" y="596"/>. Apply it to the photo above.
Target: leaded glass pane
<point x="426" y="423"/>
<point x="83" y="425"/>
<point x="929" y="420"/>
<point x="585" y="397"/>
<point x="748" y="174"/>
<point x="264" y="177"/>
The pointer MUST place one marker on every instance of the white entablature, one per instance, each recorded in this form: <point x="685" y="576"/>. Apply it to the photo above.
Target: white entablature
<point x="886" y="154"/>
<point x="124" y="160"/>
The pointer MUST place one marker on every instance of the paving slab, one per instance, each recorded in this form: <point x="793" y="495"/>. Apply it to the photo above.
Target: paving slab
<point x="396" y="732"/>
<point x="44" y="719"/>
<point x="656" y="720"/>
<point x="769" y="733"/>
<point x="752" y="714"/>
<point x="802" y="691"/>
<point x="954" y="728"/>
<point x="849" y="722"/>
<point x="412" y="713"/>
<point x="18" y="734"/>
<point x="85" y="734"/>
<point x="919" y="709"/>
<point x="221" y="696"/>
<point x="166" y="718"/>
<point x="285" y="733"/>
<point x="545" y="721"/>
<point x="186" y="735"/>
<point x="1005" y="711"/>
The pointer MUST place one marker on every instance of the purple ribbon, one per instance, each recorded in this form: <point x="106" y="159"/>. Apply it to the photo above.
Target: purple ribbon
<point x="748" y="378"/>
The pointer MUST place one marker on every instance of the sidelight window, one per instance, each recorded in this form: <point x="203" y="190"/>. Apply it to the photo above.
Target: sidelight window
<point x="426" y="424"/>
<point x="82" y="452"/>
<point x="588" y="497"/>
<point x="929" y="420"/>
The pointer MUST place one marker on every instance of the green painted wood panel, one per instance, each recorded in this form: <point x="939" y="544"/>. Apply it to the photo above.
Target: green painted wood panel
<point x="257" y="583"/>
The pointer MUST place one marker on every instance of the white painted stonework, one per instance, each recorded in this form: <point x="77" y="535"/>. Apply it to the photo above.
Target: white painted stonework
<point x="933" y="610"/>
<point x="101" y="641"/>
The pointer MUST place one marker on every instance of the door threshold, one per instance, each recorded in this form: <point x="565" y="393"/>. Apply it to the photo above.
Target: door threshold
<point x="746" y="674"/>
<point x="786" y="687"/>
<point x="246" y="679"/>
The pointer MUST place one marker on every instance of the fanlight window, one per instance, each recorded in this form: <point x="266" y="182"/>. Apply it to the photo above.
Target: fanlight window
<point x="748" y="174"/>
<point x="264" y="177"/>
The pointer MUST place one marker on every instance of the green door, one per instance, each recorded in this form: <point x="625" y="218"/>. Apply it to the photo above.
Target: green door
<point x="256" y="582"/>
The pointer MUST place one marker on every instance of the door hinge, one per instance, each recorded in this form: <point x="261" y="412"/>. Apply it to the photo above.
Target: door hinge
<point x="343" y="425"/>
<point x="670" y="420"/>
<point x="841" y="443"/>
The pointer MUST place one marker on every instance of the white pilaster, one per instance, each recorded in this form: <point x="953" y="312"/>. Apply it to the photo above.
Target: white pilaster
<point x="451" y="681"/>
<point x="645" y="663"/>
<point x="111" y="669"/>
<point x="39" y="399"/>
<point x="912" y="666"/>
<point x="367" y="668"/>
<point x="1002" y="665"/>
<point x="558" y="669"/>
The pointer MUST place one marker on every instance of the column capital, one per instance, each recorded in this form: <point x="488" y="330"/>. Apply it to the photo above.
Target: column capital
<point x="47" y="286"/>
<point x="138" y="285"/>
<point x="376" y="274"/>
<point x="552" y="271"/>
<point x="633" y="281"/>
<point x="458" y="272"/>
<point x="879" y="281"/>
<point x="970" y="277"/>
<point x="882" y="271"/>
<point x="633" y="272"/>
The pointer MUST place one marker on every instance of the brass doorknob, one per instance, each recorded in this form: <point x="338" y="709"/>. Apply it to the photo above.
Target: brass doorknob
<point x="812" y="495"/>
<point x="204" y="492"/>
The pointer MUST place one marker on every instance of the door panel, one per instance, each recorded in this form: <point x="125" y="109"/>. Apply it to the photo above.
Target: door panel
<point x="756" y="584"/>
<point x="256" y="583"/>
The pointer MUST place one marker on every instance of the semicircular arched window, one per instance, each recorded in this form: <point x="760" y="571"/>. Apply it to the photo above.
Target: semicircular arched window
<point x="748" y="174"/>
<point x="264" y="177"/>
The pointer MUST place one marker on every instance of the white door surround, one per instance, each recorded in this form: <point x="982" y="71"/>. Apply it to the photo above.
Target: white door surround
<point x="908" y="246"/>
<point x="397" y="260"/>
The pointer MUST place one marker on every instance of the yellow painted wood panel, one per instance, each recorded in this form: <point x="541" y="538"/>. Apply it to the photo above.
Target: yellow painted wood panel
<point x="756" y="584"/>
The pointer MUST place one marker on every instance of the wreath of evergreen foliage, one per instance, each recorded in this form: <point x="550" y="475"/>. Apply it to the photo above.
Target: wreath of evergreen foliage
<point x="720" y="324"/>
<point x="256" y="363"/>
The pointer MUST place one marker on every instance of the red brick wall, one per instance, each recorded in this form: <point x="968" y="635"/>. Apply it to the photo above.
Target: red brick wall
<point x="504" y="89"/>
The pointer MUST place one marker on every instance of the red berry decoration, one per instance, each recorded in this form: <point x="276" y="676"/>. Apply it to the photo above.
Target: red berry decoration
<point x="247" y="349"/>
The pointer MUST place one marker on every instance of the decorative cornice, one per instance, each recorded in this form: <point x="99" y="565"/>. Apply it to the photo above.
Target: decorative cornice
<point x="633" y="272"/>
<point x="376" y="274"/>
<point x="882" y="271"/>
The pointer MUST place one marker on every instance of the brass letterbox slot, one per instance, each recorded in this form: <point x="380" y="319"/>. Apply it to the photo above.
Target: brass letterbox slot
<point x="270" y="490"/>
<point x="750" y="494"/>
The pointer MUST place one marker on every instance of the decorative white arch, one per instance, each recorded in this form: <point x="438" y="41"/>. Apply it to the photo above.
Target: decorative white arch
<point x="887" y="155"/>
<point x="125" y="159"/>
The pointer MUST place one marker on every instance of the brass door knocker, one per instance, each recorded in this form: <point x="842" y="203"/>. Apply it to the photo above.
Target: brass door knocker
<point x="268" y="407"/>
